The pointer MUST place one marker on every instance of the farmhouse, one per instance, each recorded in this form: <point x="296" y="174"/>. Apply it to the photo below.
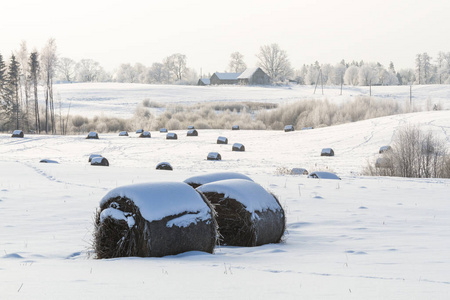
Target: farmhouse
<point x="224" y="78"/>
<point x="203" y="81"/>
<point x="254" y="76"/>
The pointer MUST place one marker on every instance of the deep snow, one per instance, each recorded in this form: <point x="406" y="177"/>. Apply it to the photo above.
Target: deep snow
<point x="355" y="238"/>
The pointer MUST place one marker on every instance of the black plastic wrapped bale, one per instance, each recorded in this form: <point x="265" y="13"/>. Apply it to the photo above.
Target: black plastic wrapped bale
<point x="139" y="131"/>
<point x="92" y="135"/>
<point x="327" y="152"/>
<point x="384" y="149"/>
<point x="99" y="161"/>
<point x="123" y="133"/>
<point x="235" y="127"/>
<point x="17" y="134"/>
<point x="163" y="130"/>
<point x="238" y="147"/>
<point x="247" y="214"/>
<point x="214" y="156"/>
<point x="288" y="128"/>
<point x="192" y="132"/>
<point x="154" y="220"/>
<point x="164" y="166"/>
<point x="222" y="140"/>
<point x="145" y="134"/>
<point x="196" y="181"/>
<point x="93" y="156"/>
<point x="171" y="136"/>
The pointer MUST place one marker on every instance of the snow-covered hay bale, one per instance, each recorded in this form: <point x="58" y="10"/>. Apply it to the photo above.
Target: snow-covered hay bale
<point x="323" y="175"/>
<point x="48" y="161"/>
<point x="139" y="131"/>
<point x="92" y="135"/>
<point x="214" y="156"/>
<point x="92" y="156"/>
<point x="222" y="140"/>
<point x="154" y="220"/>
<point x="288" y="128"/>
<point x="163" y="130"/>
<point x="327" y="152"/>
<point x="299" y="171"/>
<point x="238" y="147"/>
<point x="164" y="166"/>
<point x="196" y="181"/>
<point x="235" y="127"/>
<point x="247" y="214"/>
<point x="145" y="134"/>
<point x="192" y="132"/>
<point x="384" y="149"/>
<point x="171" y="136"/>
<point x="99" y="161"/>
<point x="123" y="133"/>
<point x="17" y="134"/>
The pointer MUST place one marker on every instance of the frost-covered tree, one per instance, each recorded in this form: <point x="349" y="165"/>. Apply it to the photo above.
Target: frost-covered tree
<point x="157" y="73"/>
<point x="312" y="74"/>
<point x="338" y="72"/>
<point x="34" y="78"/>
<point x="88" y="70"/>
<point x="176" y="64"/>
<point x="66" y="69"/>
<point x="351" y="75"/>
<point x="367" y="75"/>
<point x="48" y="64"/>
<point x="443" y="67"/>
<point x="274" y="61"/>
<point x="237" y="64"/>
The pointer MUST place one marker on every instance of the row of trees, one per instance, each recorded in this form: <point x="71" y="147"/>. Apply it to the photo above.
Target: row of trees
<point x="19" y="81"/>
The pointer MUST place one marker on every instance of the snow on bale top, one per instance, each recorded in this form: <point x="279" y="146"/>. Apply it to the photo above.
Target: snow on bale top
<point x="161" y="199"/>
<point x="196" y="181"/>
<point x="253" y="196"/>
<point x="323" y="175"/>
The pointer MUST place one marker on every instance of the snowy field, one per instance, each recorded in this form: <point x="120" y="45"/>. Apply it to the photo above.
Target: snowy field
<point x="120" y="99"/>
<point x="355" y="238"/>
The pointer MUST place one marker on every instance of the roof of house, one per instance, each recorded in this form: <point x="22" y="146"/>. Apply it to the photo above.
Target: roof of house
<point x="248" y="73"/>
<point x="205" y="81"/>
<point x="227" y="76"/>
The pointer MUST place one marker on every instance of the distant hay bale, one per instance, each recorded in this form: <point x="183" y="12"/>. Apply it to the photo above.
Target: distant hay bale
<point x="214" y="156"/>
<point x="171" y="136"/>
<point x="238" y="147"/>
<point x="139" y="131"/>
<point x="288" y="128"/>
<point x="327" y="152"/>
<point x="384" y="149"/>
<point x="235" y="127"/>
<point x="192" y="132"/>
<point x="93" y="156"/>
<point x="323" y="175"/>
<point x="247" y="214"/>
<point x="154" y="220"/>
<point x="92" y="135"/>
<point x="196" y="181"/>
<point x="145" y="134"/>
<point x="222" y="140"/>
<point x="123" y="133"/>
<point x="299" y="171"/>
<point x="190" y="127"/>
<point x="307" y="128"/>
<point x="164" y="166"/>
<point x="163" y="130"/>
<point x="48" y="161"/>
<point x="17" y="134"/>
<point x="99" y="161"/>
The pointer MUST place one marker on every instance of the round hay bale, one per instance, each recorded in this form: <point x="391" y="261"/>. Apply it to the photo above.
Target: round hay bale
<point x="222" y="140"/>
<point x="92" y="135"/>
<point x="99" y="161"/>
<point x="190" y="127"/>
<point x="192" y="132"/>
<point x="17" y="134"/>
<point x="123" y="133"/>
<point x="145" y="134"/>
<point x="93" y="156"/>
<point x="238" y="147"/>
<point x="48" y="161"/>
<point x="235" y="127"/>
<point x="139" y="131"/>
<point x="247" y="214"/>
<point x="171" y="136"/>
<point x="196" y="181"/>
<point x="163" y="130"/>
<point x="164" y="166"/>
<point x="323" y="175"/>
<point x="214" y="156"/>
<point x="288" y="128"/>
<point x="384" y="149"/>
<point x="327" y="152"/>
<point x="154" y="220"/>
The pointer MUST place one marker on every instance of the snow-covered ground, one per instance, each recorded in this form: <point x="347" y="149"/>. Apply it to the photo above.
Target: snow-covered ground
<point x="355" y="238"/>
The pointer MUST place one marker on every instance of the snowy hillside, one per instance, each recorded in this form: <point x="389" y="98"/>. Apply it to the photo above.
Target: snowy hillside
<point x="355" y="238"/>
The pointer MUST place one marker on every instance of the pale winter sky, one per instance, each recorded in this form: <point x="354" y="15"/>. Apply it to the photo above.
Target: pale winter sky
<point x="207" y="32"/>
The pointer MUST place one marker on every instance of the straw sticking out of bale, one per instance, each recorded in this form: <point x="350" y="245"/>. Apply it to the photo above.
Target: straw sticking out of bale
<point x="247" y="214"/>
<point x="153" y="220"/>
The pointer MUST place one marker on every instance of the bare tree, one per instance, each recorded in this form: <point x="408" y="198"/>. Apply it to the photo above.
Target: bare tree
<point x="237" y="64"/>
<point x="176" y="63"/>
<point x="48" y="64"/>
<point x="66" y="68"/>
<point x="88" y="70"/>
<point x="274" y="61"/>
<point x="24" y="80"/>
<point x="34" y="76"/>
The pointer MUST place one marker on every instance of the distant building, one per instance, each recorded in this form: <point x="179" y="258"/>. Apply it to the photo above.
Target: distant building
<point x="204" y="81"/>
<point x="254" y="76"/>
<point x="224" y="78"/>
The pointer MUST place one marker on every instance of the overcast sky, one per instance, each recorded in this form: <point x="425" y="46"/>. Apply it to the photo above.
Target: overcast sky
<point x="207" y="32"/>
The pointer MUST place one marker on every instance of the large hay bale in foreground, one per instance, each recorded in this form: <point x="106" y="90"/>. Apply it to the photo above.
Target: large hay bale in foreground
<point x="196" y="181"/>
<point x="153" y="220"/>
<point x="247" y="214"/>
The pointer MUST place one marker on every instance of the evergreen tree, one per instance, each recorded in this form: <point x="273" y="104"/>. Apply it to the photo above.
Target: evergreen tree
<point x="11" y="98"/>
